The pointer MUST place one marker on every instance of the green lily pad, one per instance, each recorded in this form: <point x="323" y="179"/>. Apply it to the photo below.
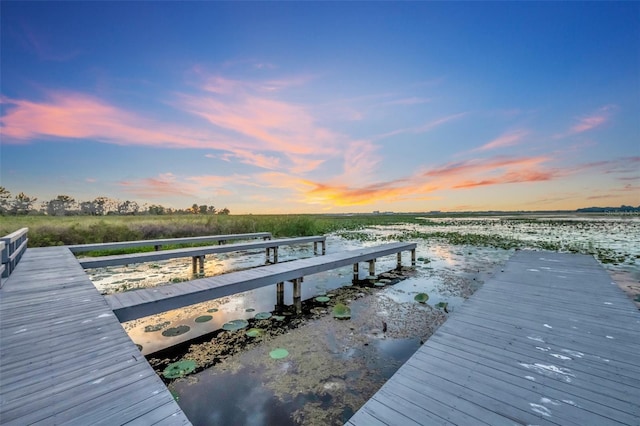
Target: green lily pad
<point x="370" y="277"/>
<point x="322" y="299"/>
<point x="278" y="317"/>
<point x="179" y="369"/>
<point x="262" y="315"/>
<point x="176" y="331"/>
<point x="204" y="318"/>
<point x="235" y="325"/>
<point x="421" y="297"/>
<point x="341" y="311"/>
<point x="249" y="310"/>
<point x="254" y="332"/>
<point x="212" y="310"/>
<point x="279" y="353"/>
<point x="379" y="284"/>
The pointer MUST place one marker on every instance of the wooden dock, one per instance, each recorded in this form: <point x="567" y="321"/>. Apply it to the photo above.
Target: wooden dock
<point x="65" y="358"/>
<point x="198" y="253"/>
<point x="550" y="340"/>
<point x="136" y="304"/>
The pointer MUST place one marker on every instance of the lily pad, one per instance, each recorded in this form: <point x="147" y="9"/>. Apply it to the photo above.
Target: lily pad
<point x="204" y="318"/>
<point x="254" y="332"/>
<point x="279" y="353"/>
<point x="179" y="369"/>
<point x="249" y="310"/>
<point x="443" y="305"/>
<point x="278" y="317"/>
<point x="421" y="297"/>
<point x="235" y="325"/>
<point x="341" y="311"/>
<point x="212" y="310"/>
<point x="262" y="315"/>
<point x="176" y="331"/>
<point x="379" y="284"/>
<point x="370" y="277"/>
<point x="322" y="299"/>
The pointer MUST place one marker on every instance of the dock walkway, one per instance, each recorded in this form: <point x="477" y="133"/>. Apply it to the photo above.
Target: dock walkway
<point x="550" y="340"/>
<point x="65" y="358"/>
<point x="135" y="304"/>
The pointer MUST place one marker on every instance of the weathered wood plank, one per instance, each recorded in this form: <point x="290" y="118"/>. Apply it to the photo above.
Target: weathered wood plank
<point x="125" y="259"/>
<point x="64" y="357"/>
<point x="548" y="340"/>
<point x="80" y="248"/>
<point x="140" y="303"/>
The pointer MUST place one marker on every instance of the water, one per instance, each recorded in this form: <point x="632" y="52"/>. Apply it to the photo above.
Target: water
<point x="334" y="366"/>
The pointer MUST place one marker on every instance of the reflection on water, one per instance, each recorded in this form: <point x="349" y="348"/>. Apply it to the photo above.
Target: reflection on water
<point x="334" y="366"/>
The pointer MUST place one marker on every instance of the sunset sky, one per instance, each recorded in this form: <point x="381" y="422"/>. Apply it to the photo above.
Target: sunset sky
<point x="300" y="107"/>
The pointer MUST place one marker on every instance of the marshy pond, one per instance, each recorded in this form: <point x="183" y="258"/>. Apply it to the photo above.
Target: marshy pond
<point x="235" y="361"/>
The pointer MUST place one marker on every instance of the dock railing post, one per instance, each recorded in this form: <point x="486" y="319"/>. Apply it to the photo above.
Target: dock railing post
<point x="356" y="272"/>
<point x="413" y="257"/>
<point x="275" y="254"/>
<point x="372" y="267"/>
<point x="194" y="265"/>
<point x="157" y="247"/>
<point x="399" y="264"/>
<point x="279" y="297"/>
<point x="297" y="295"/>
<point x="315" y="247"/>
<point x="267" y="250"/>
<point x="202" y="265"/>
<point x="324" y="247"/>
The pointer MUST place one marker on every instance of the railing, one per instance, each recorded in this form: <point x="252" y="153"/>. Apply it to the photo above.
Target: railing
<point x="12" y="247"/>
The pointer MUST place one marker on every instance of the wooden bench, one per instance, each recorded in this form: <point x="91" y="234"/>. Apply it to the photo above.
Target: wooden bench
<point x="136" y="304"/>
<point x="198" y="253"/>
<point x="158" y="243"/>
<point x="12" y="249"/>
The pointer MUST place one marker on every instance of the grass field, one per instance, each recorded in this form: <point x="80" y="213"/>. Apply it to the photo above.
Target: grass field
<point x="50" y="231"/>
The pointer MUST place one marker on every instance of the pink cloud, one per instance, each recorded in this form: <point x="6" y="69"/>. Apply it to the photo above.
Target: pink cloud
<point x="507" y="139"/>
<point x="423" y="128"/>
<point x="76" y="116"/>
<point x="591" y="121"/>
<point x="163" y="185"/>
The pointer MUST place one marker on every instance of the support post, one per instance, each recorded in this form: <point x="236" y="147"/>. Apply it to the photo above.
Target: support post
<point x="413" y="257"/>
<point x="194" y="265"/>
<point x="356" y="272"/>
<point x="297" y="295"/>
<point x="202" y="265"/>
<point x="399" y="264"/>
<point x="279" y="297"/>
<point x="372" y="267"/>
<point x="315" y="247"/>
<point x="157" y="247"/>
<point x="324" y="247"/>
<point x="267" y="250"/>
<point x="275" y="254"/>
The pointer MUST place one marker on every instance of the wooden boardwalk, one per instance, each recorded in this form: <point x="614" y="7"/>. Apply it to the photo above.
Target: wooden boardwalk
<point x="65" y="358"/>
<point x="135" y="304"/>
<point x="548" y="341"/>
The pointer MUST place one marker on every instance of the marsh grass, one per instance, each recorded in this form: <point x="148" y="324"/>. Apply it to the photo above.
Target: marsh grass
<point x="52" y="231"/>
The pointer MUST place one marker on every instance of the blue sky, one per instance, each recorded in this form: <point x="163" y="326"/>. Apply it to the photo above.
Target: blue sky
<point x="323" y="107"/>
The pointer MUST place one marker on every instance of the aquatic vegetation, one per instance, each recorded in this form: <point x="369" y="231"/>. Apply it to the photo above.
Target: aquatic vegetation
<point x="262" y="315"/>
<point x="156" y="327"/>
<point x="235" y="325"/>
<point x="204" y="318"/>
<point x="212" y="310"/>
<point x="279" y="353"/>
<point x="322" y="299"/>
<point x="443" y="306"/>
<point x="278" y="317"/>
<point x="179" y="369"/>
<point x="249" y="310"/>
<point x="341" y="311"/>
<point x="254" y="332"/>
<point x="421" y="297"/>
<point x="176" y="331"/>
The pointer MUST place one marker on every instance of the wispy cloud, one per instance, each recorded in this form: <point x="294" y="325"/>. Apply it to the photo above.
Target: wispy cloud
<point x="422" y="128"/>
<point x="504" y="140"/>
<point x="163" y="185"/>
<point x="590" y="122"/>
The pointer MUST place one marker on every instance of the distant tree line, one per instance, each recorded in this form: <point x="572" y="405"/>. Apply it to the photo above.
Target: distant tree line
<point x="621" y="209"/>
<point x="65" y="205"/>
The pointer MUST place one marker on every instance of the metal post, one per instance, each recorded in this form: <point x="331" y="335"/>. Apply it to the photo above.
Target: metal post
<point x="297" y="295"/>
<point x="413" y="257"/>
<point x="356" y="272"/>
